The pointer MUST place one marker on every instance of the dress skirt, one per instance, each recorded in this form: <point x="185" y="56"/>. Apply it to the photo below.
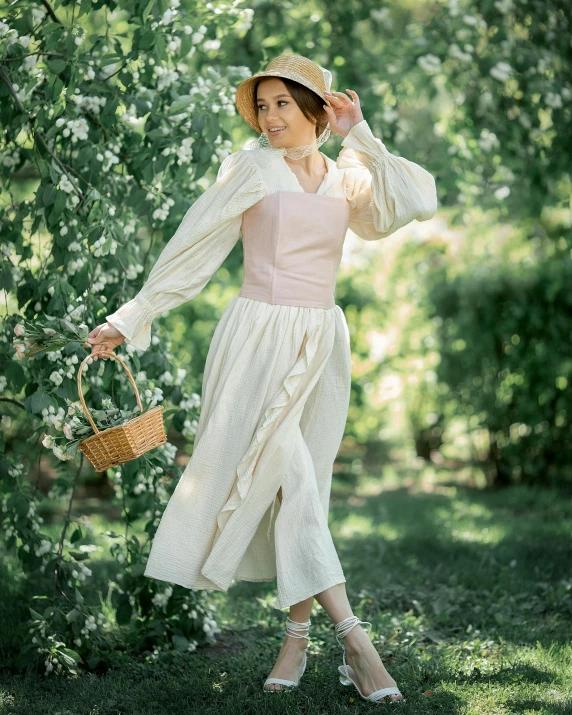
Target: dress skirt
<point x="275" y="396"/>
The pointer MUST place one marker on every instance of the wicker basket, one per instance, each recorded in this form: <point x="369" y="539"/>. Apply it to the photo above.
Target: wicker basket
<point x="122" y="443"/>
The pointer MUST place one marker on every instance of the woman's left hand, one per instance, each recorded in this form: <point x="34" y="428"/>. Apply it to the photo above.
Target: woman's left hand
<point x="344" y="113"/>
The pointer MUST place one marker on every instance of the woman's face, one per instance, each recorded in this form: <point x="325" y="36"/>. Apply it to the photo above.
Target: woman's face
<point x="277" y="108"/>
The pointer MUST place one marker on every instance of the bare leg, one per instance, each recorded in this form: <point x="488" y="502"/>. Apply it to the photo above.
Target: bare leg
<point x="361" y="654"/>
<point x="291" y="657"/>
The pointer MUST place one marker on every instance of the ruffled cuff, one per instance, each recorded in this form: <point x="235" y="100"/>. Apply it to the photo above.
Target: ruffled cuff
<point x="133" y="320"/>
<point x="361" y="138"/>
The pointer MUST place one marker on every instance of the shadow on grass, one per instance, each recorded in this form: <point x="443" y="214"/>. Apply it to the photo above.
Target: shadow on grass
<point x="461" y="585"/>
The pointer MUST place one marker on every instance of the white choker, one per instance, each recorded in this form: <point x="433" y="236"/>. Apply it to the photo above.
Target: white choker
<point x="293" y="152"/>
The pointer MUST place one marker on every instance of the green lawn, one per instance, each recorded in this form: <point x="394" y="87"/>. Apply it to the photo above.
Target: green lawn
<point x="469" y="593"/>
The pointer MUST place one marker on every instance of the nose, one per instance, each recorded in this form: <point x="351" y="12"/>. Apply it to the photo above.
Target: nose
<point x="272" y="118"/>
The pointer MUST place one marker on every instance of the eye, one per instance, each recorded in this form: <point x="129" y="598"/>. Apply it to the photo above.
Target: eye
<point x="280" y="101"/>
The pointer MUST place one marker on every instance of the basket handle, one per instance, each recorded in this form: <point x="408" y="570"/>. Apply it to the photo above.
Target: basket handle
<point x="79" y="386"/>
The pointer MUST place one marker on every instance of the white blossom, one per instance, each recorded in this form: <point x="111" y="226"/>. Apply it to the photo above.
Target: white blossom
<point x="78" y="128"/>
<point x="502" y="192"/>
<point x="430" y="64"/>
<point x="553" y="99"/>
<point x="501" y="71"/>
<point x="91" y="103"/>
<point x="65" y="184"/>
<point x="456" y="52"/>
<point x="56" y="378"/>
<point x="10" y="158"/>
<point x="504" y="6"/>
<point x="488" y="140"/>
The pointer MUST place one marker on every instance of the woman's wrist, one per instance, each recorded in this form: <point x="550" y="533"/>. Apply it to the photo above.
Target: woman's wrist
<point x="352" y="127"/>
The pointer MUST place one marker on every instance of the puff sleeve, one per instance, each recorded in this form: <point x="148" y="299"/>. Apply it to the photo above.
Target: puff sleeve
<point x="206" y="235"/>
<point x="385" y="192"/>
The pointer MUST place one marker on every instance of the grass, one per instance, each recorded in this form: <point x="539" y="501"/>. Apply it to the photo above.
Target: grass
<point x="469" y="593"/>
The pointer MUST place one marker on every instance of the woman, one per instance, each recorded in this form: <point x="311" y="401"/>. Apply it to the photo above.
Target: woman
<point x="277" y="375"/>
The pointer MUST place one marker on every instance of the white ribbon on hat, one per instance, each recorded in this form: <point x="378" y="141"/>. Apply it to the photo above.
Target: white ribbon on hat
<point x="327" y="77"/>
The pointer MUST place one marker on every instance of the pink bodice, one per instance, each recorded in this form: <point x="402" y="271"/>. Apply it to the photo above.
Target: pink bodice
<point x="293" y="243"/>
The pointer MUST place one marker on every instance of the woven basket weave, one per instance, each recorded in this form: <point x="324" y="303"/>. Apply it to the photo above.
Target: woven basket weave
<point x="122" y="443"/>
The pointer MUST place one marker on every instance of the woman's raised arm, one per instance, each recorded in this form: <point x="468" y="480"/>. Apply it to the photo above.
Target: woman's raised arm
<point x="385" y="191"/>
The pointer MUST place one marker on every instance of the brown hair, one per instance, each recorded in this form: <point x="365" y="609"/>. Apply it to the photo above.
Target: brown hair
<point x="310" y="104"/>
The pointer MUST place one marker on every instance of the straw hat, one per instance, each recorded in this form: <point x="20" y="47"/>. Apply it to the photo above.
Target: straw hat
<point x="294" y="67"/>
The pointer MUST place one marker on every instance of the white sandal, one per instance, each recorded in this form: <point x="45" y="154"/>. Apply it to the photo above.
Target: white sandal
<point x="347" y="673"/>
<point x="294" y="630"/>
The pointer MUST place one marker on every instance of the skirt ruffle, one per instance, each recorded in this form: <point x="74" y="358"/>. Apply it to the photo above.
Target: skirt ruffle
<point x="272" y="413"/>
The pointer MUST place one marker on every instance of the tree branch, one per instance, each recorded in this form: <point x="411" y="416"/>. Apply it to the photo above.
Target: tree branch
<point x="13" y="401"/>
<point x="50" y="12"/>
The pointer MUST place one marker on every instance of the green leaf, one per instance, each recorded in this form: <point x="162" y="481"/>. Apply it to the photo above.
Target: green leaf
<point x="19" y="504"/>
<point x="59" y="204"/>
<point x="49" y="194"/>
<point x="6" y="280"/>
<point x="160" y="47"/>
<point x="154" y="134"/>
<point x="79" y="555"/>
<point x="180" y="643"/>
<point x="57" y="65"/>
<point x="56" y="88"/>
<point x="110" y="59"/>
<point x="178" y="421"/>
<point x="72" y="448"/>
<point x="168" y="412"/>
<point x="84" y="7"/>
<point x="72" y="615"/>
<point x="180" y="104"/>
<point x="39" y="400"/>
<point x="147" y="40"/>
<point x="129" y="469"/>
<point x="124" y="610"/>
<point x="146" y="12"/>
<point x="70" y="657"/>
<point x="76" y="536"/>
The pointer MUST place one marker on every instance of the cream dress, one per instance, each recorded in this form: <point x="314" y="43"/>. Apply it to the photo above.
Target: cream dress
<point x="277" y="376"/>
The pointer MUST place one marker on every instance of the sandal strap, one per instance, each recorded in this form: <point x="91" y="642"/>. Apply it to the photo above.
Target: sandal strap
<point x="344" y="627"/>
<point x="384" y="692"/>
<point x="294" y="628"/>
<point x="279" y="681"/>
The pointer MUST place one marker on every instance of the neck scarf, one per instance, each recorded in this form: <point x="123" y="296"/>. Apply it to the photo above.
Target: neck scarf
<point x="293" y="152"/>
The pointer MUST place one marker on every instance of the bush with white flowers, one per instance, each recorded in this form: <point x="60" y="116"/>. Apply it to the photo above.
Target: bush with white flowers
<point x="110" y="139"/>
<point x="503" y="72"/>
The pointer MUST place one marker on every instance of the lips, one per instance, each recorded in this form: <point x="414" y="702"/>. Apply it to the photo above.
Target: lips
<point x="275" y="133"/>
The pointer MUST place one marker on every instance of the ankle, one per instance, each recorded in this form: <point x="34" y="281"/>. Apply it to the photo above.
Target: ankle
<point x="356" y="641"/>
<point x="295" y="643"/>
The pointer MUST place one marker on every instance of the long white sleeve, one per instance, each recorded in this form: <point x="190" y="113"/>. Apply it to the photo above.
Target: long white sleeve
<point x="385" y="191"/>
<point x="206" y="235"/>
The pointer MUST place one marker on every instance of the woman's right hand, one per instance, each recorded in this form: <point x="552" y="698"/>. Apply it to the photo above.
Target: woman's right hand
<point x="104" y="337"/>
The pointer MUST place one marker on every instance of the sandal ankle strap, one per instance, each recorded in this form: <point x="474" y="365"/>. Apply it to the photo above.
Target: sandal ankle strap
<point x="344" y="627"/>
<point x="294" y="628"/>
